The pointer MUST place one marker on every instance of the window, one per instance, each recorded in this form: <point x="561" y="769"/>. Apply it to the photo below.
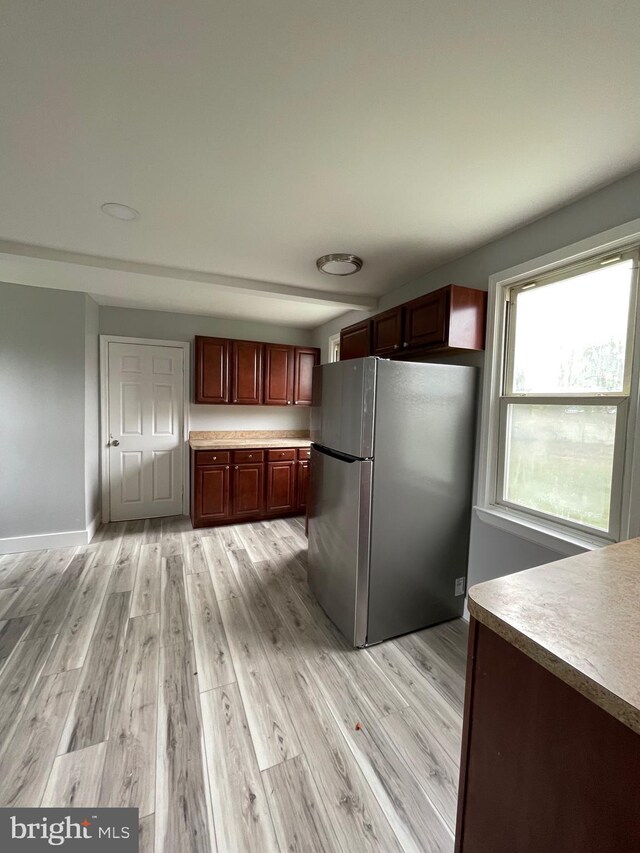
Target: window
<point x="334" y="348"/>
<point x="563" y="397"/>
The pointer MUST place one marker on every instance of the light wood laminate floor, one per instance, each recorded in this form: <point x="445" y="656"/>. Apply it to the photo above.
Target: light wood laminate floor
<point x="192" y="675"/>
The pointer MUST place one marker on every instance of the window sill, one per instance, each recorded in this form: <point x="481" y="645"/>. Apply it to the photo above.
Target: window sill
<point x="556" y="540"/>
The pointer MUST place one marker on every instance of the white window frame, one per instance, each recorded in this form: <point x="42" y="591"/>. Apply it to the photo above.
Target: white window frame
<point x="334" y="348"/>
<point x="566" y="537"/>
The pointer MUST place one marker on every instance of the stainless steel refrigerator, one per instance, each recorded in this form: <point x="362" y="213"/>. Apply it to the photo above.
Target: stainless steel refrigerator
<point x="390" y="494"/>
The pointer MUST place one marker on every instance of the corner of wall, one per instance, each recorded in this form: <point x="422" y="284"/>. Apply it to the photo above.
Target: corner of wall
<point x="92" y="416"/>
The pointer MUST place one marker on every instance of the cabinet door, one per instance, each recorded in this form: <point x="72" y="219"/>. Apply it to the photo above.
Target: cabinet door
<point x="387" y="332"/>
<point x="303" y="484"/>
<point x="281" y="487"/>
<point x="211" y="494"/>
<point x="246" y="382"/>
<point x="278" y="375"/>
<point x="425" y="319"/>
<point x="355" y="341"/>
<point x="248" y="490"/>
<point x="305" y="360"/>
<point x="212" y="370"/>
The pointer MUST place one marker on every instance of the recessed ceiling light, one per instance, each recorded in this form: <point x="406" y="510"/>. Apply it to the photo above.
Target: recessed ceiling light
<point x="339" y="264"/>
<point x="120" y="211"/>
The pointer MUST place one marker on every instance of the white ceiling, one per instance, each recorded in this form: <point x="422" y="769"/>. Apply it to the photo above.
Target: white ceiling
<point x="255" y="136"/>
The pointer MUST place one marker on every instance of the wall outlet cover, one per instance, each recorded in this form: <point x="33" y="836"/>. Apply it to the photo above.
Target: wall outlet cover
<point x="460" y="586"/>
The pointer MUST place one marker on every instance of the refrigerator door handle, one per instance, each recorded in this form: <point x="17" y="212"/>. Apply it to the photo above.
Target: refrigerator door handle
<point x="337" y="454"/>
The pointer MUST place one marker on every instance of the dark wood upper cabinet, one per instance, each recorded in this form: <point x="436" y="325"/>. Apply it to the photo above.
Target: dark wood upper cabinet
<point x="453" y="317"/>
<point x="386" y="332"/>
<point x="246" y="372"/>
<point x="279" y="369"/>
<point x="212" y="370"/>
<point x="467" y="317"/>
<point x="425" y="320"/>
<point x="306" y="359"/>
<point x="248" y="490"/>
<point x="252" y="373"/>
<point x="355" y="341"/>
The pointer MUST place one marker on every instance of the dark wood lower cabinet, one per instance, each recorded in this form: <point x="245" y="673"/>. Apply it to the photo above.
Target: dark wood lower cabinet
<point x="544" y="769"/>
<point x="281" y="487"/>
<point x="210" y="495"/>
<point x="255" y="485"/>
<point x="303" y="484"/>
<point x="248" y="490"/>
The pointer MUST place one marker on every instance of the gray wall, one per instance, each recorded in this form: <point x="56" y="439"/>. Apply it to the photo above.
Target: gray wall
<point x="163" y="325"/>
<point x="493" y="552"/>
<point x="42" y="411"/>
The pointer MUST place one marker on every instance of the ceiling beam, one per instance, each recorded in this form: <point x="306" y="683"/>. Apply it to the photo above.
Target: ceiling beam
<point x="41" y="266"/>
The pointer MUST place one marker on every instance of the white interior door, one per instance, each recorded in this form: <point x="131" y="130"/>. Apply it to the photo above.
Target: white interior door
<point x="145" y="424"/>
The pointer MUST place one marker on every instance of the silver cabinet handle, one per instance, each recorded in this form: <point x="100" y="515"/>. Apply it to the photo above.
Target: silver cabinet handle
<point x="226" y="467"/>
<point x="236" y="467"/>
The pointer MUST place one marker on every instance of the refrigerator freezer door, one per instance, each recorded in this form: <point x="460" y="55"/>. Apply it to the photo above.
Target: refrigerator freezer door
<point x="339" y="520"/>
<point x="425" y="429"/>
<point x="343" y="410"/>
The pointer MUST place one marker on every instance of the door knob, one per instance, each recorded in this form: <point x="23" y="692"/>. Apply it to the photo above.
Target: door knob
<point x="115" y="443"/>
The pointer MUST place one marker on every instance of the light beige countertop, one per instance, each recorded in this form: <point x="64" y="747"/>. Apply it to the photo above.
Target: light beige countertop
<point x="241" y="439"/>
<point x="580" y="619"/>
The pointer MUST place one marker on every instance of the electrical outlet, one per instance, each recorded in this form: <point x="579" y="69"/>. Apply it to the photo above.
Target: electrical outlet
<point x="460" y="585"/>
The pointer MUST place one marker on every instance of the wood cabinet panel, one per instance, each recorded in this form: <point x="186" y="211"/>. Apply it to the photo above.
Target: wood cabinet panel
<point x="355" y="341"/>
<point x="543" y="768"/>
<point x="467" y="317"/>
<point x="306" y="359"/>
<point x="241" y="457"/>
<point x="281" y="455"/>
<point x="248" y="490"/>
<point x="279" y="369"/>
<point x="281" y="487"/>
<point x="386" y="332"/>
<point x="211" y="372"/>
<point x="302" y="484"/>
<point x="246" y="374"/>
<point x="211" y="494"/>
<point x="212" y="457"/>
<point x="425" y="320"/>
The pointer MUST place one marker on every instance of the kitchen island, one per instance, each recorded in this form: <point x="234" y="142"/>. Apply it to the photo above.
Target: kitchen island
<point x="551" y="740"/>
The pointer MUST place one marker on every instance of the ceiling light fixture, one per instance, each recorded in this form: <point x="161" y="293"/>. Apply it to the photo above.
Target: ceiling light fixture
<point x="120" y="211"/>
<point x="339" y="264"/>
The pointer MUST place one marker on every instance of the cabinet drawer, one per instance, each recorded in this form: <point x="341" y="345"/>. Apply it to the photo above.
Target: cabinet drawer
<point x="244" y="456"/>
<point x="281" y="455"/>
<point x="212" y="457"/>
<point x="304" y="453"/>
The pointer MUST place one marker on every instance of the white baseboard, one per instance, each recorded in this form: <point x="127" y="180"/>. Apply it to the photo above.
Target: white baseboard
<point x="42" y="541"/>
